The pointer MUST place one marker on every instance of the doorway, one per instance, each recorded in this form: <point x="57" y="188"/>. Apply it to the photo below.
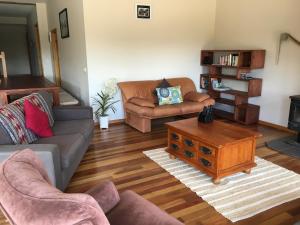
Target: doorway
<point x="55" y="57"/>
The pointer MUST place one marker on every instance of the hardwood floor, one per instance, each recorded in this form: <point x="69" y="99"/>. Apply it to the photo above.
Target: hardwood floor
<point x="117" y="155"/>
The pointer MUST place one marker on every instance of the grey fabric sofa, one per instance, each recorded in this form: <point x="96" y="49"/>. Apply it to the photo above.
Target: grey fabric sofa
<point x="62" y="153"/>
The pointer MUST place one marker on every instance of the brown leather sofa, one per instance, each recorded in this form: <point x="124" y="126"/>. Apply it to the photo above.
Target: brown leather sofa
<point x="141" y="105"/>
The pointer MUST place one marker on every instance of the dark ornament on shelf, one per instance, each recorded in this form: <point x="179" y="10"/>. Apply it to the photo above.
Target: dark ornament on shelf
<point x="206" y="116"/>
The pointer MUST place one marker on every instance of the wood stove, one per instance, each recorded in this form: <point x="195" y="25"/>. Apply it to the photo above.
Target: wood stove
<point x="294" y="118"/>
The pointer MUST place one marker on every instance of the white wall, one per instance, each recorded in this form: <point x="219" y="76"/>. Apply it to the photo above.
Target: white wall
<point x="13" y="42"/>
<point x="251" y="24"/>
<point x="42" y="17"/>
<point x="72" y="50"/>
<point x="126" y="48"/>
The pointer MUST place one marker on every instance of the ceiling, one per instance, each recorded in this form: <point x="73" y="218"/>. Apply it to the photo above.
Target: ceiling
<point x="15" y="10"/>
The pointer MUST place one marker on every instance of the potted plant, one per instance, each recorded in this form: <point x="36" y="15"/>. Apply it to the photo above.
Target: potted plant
<point x="104" y="101"/>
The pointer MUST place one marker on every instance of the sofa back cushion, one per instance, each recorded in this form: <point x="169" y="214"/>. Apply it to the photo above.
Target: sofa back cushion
<point x="145" y="89"/>
<point x="12" y="118"/>
<point x="4" y="136"/>
<point x="27" y="197"/>
<point x="41" y="100"/>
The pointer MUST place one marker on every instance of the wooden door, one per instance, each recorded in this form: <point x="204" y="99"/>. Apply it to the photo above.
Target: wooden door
<point x="38" y="50"/>
<point x="55" y="57"/>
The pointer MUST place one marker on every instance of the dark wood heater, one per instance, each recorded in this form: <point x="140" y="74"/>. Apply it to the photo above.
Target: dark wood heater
<point x="294" y="118"/>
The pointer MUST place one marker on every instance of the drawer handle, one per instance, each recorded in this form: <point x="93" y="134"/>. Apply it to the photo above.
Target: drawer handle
<point x="205" y="162"/>
<point x="189" y="143"/>
<point x="205" y="150"/>
<point x="175" y="147"/>
<point x="189" y="154"/>
<point x="175" y="136"/>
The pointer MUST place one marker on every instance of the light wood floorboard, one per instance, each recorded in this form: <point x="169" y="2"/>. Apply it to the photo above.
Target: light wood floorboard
<point x="116" y="154"/>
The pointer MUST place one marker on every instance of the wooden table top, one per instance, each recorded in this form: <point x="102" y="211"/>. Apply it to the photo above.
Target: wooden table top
<point x="216" y="133"/>
<point x="25" y="82"/>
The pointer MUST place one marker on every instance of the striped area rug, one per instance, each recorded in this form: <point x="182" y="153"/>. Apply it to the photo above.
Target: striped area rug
<point x="241" y="195"/>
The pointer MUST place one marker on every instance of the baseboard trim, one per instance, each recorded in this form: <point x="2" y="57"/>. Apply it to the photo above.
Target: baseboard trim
<point x="112" y="122"/>
<point x="278" y="127"/>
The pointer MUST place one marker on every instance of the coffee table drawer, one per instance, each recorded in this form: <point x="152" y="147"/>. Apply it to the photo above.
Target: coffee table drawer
<point x="206" y="163"/>
<point x="175" y="137"/>
<point x="175" y="147"/>
<point x="206" y="151"/>
<point x="189" y="143"/>
<point x="189" y="155"/>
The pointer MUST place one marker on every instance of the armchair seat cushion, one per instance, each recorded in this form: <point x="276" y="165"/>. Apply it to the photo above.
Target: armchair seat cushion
<point x="133" y="209"/>
<point x="84" y="127"/>
<point x="106" y="194"/>
<point x="71" y="146"/>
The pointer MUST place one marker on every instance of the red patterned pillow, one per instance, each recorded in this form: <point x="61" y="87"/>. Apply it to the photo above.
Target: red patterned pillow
<point x="37" y="120"/>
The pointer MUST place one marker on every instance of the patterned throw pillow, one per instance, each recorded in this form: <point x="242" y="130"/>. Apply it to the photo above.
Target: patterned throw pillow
<point x="169" y="96"/>
<point x="37" y="100"/>
<point x="12" y="118"/>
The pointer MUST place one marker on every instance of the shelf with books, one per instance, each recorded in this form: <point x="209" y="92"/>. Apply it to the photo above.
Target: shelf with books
<point x="243" y="62"/>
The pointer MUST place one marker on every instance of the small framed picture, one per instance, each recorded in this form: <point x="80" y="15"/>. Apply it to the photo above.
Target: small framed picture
<point x="64" y="24"/>
<point x="143" y="11"/>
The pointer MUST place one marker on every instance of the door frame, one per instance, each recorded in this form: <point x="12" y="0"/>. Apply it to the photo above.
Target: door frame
<point x="55" y="56"/>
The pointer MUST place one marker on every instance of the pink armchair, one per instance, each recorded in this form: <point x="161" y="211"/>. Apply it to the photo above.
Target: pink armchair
<point x="27" y="197"/>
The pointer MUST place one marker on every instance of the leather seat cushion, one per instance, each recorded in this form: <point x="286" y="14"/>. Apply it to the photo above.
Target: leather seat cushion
<point x="169" y="110"/>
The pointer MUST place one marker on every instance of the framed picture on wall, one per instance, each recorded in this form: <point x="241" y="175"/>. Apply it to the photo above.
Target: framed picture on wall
<point x="64" y="24"/>
<point x="143" y="11"/>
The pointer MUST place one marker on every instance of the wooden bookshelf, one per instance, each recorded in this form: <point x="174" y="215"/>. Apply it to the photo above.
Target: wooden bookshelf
<point x="243" y="62"/>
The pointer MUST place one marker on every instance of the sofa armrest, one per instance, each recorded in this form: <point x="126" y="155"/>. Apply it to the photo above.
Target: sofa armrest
<point x="196" y="96"/>
<point x="72" y="112"/>
<point x="142" y="102"/>
<point x="106" y="195"/>
<point x="48" y="153"/>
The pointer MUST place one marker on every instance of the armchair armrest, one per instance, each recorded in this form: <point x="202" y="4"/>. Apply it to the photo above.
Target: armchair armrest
<point x="196" y="96"/>
<point x="142" y="102"/>
<point x="48" y="153"/>
<point x="106" y="195"/>
<point x="72" y="112"/>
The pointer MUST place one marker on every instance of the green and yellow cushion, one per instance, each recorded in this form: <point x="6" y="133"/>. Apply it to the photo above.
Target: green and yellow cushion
<point x="169" y="96"/>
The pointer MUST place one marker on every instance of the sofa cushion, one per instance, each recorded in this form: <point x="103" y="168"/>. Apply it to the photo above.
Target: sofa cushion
<point x="84" y="127"/>
<point x="167" y="110"/>
<point x="69" y="146"/>
<point x="185" y="107"/>
<point x="170" y="95"/>
<point x="38" y="100"/>
<point x="139" y="110"/>
<point x="133" y="209"/>
<point x="142" y="102"/>
<point x="191" y="107"/>
<point x="163" y="84"/>
<point x="13" y="122"/>
<point x="36" y="120"/>
<point x="196" y="96"/>
<point x="4" y="136"/>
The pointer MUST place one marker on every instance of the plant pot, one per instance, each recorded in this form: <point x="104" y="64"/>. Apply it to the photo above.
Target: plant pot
<point x="103" y="122"/>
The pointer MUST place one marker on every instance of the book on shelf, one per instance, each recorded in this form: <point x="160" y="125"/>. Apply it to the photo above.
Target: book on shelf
<point x="228" y="60"/>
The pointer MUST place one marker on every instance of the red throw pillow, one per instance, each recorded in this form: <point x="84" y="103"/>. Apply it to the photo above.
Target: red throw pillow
<point x="36" y="120"/>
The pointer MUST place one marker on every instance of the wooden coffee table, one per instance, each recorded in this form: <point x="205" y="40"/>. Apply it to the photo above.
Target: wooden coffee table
<point x="217" y="149"/>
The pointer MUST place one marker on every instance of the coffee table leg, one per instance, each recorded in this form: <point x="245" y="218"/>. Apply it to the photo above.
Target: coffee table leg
<point x="172" y="156"/>
<point x="216" y="180"/>
<point x="248" y="171"/>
